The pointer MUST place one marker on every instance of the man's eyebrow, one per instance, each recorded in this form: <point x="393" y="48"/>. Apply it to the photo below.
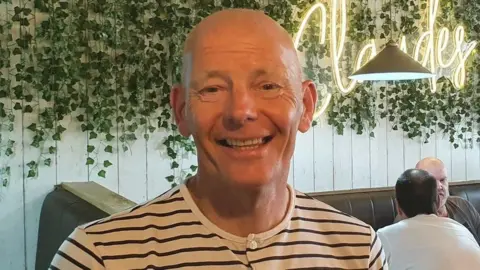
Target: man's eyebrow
<point x="258" y="72"/>
<point x="212" y="74"/>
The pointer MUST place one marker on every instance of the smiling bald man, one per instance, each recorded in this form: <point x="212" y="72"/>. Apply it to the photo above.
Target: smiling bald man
<point x="243" y="101"/>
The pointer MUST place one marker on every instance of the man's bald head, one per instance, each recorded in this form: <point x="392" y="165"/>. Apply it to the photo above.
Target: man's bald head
<point x="429" y="163"/>
<point x="236" y="26"/>
<point x="245" y="22"/>
<point x="436" y="168"/>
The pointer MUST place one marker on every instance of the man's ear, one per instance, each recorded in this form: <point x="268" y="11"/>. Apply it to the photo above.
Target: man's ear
<point x="399" y="210"/>
<point x="309" y="105"/>
<point x="178" y="103"/>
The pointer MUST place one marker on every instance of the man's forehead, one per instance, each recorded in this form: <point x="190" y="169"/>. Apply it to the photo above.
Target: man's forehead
<point x="438" y="171"/>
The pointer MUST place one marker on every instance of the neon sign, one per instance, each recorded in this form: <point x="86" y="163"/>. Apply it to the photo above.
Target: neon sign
<point x="433" y="55"/>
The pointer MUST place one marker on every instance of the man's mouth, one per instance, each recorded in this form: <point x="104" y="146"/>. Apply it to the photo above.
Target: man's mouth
<point x="245" y="144"/>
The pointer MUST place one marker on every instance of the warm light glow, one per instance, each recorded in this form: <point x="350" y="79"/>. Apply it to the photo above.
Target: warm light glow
<point x="433" y="51"/>
<point x="336" y="49"/>
<point x="403" y="44"/>
<point x="322" y="27"/>
<point x="460" y="73"/>
<point x="362" y="53"/>
<point x="323" y="32"/>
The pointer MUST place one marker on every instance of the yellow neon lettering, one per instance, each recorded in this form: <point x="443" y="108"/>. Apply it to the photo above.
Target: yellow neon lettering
<point x="433" y="54"/>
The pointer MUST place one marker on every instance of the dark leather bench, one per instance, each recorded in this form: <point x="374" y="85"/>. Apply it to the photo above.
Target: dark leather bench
<point x="376" y="206"/>
<point x="62" y="211"/>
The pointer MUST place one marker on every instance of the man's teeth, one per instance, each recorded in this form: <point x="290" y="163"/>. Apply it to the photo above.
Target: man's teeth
<point x="245" y="143"/>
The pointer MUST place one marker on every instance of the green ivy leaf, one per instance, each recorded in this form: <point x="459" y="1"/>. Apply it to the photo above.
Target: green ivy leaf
<point x="32" y="164"/>
<point x="90" y="161"/>
<point x="32" y="127"/>
<point x="47" y="162"/>
<point x="17" y="106"/>
<point x="108" y="149"/>
<point x="31" y="174"/>
<point x="52" y="150"/>
<point x="170" y="178"/>
<point x="102" y="173"/>
<point x="109" y="137"/>
<point x="56" y="137"/>
<point x="107" y="163"/>
<point x="8" y="152"/>
<point x="193" y="168"/>
<point x="93" y="135"/>
<point x="60" y="129"/>
<point x="174" y="165"/>
<point x="90" y="148"/>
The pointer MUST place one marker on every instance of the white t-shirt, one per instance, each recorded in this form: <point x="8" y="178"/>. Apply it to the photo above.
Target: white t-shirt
<point x="429" y="242"/>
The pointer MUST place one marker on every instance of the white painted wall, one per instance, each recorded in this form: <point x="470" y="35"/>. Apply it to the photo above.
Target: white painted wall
<point x="323" y="161"/>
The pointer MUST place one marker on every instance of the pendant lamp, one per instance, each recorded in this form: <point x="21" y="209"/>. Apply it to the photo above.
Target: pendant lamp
<point x="391" y="64"/>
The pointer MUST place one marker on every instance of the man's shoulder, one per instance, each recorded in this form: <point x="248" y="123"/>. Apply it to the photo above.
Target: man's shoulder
<point x="456" y="199"/>
<point x="394" y="228"/>
<point x="312" y="208"/>
<point x="458" y="203"/>
<point x="164" y="205"/>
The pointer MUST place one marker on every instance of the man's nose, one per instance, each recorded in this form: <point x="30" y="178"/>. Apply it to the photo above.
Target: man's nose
<point x="439" y="185"/>
<point x="240" y="108"/>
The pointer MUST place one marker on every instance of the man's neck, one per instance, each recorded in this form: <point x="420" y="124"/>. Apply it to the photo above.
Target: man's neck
<point x="442" y="211"/>
<point x="240" y="211"/>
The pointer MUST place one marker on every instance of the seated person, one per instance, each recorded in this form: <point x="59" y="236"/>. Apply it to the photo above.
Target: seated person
<point x="453" y="207"/>
<point x="423" y="240"/>
<point x="243" y="100"/>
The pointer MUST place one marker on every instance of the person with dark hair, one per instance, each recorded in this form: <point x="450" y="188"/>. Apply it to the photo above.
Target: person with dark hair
<point x="454" y="207"/>
<point x="423" y="240"/>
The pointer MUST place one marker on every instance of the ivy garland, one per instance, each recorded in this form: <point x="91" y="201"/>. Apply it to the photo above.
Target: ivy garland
<point x="109" y="65"/>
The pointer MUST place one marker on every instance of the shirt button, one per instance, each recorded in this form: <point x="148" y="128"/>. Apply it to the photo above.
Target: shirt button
<point x="253" y="244"/>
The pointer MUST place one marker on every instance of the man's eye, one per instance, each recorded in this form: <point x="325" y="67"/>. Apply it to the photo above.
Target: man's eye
<point x="208" y="90"/>
<point x="270" y="86"/>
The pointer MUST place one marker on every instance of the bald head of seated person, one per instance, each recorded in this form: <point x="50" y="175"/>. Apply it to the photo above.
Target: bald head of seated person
<point x="453" y="207"/>
<point x="242" y="99"/>
<point x="423" y="240"/>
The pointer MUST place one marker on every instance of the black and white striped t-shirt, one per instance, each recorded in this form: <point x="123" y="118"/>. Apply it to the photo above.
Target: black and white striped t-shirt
<point x="170" y="232"/>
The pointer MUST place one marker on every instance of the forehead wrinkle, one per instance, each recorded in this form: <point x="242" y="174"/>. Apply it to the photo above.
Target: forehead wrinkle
<point x="248" y="30"/>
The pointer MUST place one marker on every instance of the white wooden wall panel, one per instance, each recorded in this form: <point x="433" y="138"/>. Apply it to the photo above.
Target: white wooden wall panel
<point x="157" y="167"/>
<point x="342" y="160"/>
<point x="71" y="153"/>
<point x="472" y="162"/>
<point x="35" y="188"/>
<point x="428" y="149"/>
<point x="395" y="154"/>
<point x="304" y="159"/>
<point x="323" y="156"/>
<point x="360" y="159"/>
<point x="444" y="152"/>
<point x="412" y="152"/>
<point x="133" y="175"/>
<point x="12" y="234"/>
<point x="379" y="150"/>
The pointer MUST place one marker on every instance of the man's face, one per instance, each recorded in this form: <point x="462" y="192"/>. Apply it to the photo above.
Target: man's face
<point x="440" y="174"/>
<point x="244" y="104"/>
